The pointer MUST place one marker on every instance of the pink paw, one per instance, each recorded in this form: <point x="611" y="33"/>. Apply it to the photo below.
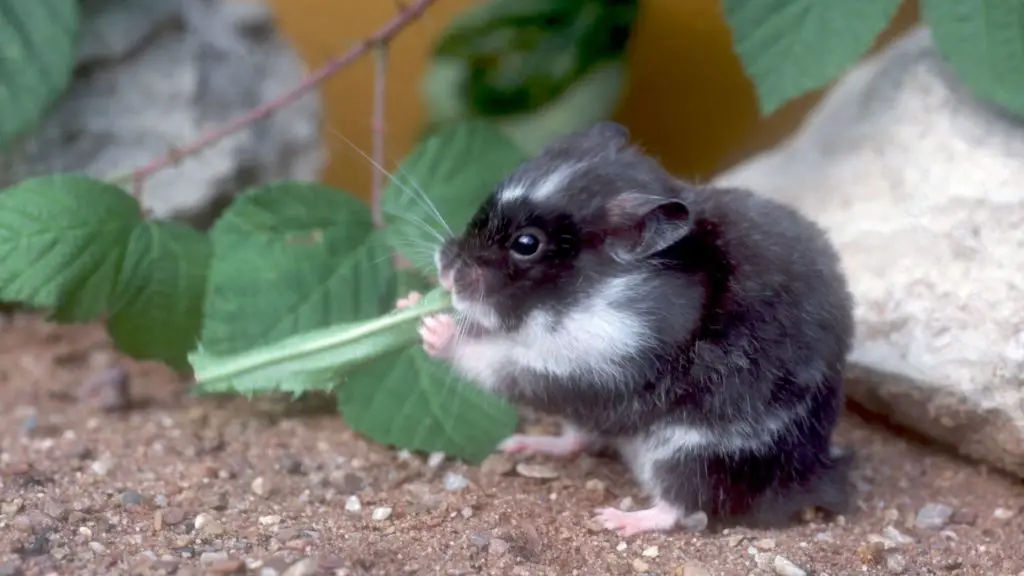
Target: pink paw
<point x="438" y="334"/>
<point x="412" y="299"/>
<point x="660" y="518"/>
<point x="562" y="446"/>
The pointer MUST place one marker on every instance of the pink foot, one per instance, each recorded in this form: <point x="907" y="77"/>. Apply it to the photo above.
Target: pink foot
<point x="438" y="334"/>
<point x="660" y="518"/>
<point x="566" y="445"/>
<point x="411" y="299"/>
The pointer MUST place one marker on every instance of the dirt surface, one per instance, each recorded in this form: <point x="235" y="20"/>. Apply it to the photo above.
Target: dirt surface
<point x="93" y="483"/>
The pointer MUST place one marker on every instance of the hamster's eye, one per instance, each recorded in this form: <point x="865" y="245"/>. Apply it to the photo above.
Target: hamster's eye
<point x="527" y="244"/>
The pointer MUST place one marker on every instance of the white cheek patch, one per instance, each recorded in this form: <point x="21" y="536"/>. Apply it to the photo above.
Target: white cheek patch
<point x="541" y="189"/>
<point x="593" y="339"/>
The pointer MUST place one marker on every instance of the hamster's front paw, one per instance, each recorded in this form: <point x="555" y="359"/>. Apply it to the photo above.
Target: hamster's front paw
<point x="438" y="334"/>
<point x="411" y="299"/>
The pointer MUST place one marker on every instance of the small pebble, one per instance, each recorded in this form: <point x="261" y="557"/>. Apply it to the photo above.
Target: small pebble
<point x="694" y="569"/>
<point x="498" y="547"/>
<point x="131" y="498"/>
<point x="259" y="486"/>
<point x="640" y="566"/>
<point x="895" y="564"/>
<point x="100" y="467"/>
<point x="304" y="567"/>
<point x="1003" y="514"/>
<point x="621" y="547"/>
<point x="496" y="465"/>
<point x="97" y="547"/>
<point x="454" y="482"/>
<point x="352" y="504"/>
<point x="381" y="513"/>
<point x="211" y="558"/>
<point x="173" y="516"/>
<point x="650" y="552"/>
<point x="933" y="516"/>
<point x="226" y="566"/>
<point x="539" y="471"/>
<point x="271" y="520"/>
<point x="764" y="544"/>
<point x="896" y="536"/>
<point x="435" y="459"/>
<point x="107" y="389"/>
<point x="596" y="485"/>
<point x="627" y="504"/>
<point x="783" y="567"/>
<point x="478" y="539"/>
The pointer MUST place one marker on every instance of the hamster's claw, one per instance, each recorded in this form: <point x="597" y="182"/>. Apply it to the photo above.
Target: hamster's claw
<point x="564" y="446"/>
<point x="411" y="299"/>
<point x="438" y="335"/>
<point x="659" y="518"/>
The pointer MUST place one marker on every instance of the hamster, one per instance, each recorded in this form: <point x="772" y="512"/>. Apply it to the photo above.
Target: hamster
<point x="700" y="332"/>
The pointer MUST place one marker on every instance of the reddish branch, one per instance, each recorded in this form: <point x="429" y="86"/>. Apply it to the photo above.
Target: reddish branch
<point x="380" y="68"/>
<point x="380" y="39"/>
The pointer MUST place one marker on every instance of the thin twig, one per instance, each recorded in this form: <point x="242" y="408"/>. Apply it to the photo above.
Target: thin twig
<point x="380" y="59"/>
<point x="381" y="37"/>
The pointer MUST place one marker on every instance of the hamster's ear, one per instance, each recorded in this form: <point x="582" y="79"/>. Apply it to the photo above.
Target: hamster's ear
<point x="642" y="225"/>
<point x="611" y="132"/>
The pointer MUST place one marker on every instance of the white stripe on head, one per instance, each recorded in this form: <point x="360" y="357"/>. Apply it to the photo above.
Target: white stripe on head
<point x="547" y="186"/>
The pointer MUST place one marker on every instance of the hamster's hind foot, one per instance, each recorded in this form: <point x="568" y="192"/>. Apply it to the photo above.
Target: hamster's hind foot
<point x="564" y="446"/>
<point x="659" y="518"/>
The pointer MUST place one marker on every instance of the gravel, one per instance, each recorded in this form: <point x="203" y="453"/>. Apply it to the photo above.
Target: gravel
<point x="171" y="484"/>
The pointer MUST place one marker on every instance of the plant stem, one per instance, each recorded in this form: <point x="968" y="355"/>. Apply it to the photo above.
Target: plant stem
<point x="380" y="54"/>
<point x="380" y="38"/>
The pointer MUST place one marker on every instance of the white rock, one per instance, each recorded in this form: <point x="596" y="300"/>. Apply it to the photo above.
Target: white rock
<point x="138" y="93"/>
<point x="784" y="567"/>
<point x="454" y="482"/>
<point x="352" y="504"/>
<point x="381" y="513"/>
<point x="919" y="185"/>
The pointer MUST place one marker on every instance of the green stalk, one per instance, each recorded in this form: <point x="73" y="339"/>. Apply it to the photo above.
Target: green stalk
<point x="335" y="349"/>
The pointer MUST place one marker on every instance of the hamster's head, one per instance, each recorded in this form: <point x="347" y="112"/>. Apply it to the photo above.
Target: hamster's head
<point x="588" y="209"/>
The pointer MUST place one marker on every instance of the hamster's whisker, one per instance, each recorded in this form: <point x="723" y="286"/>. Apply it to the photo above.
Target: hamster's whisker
<point x="421" y="197"/>
<point x="423" y="226"/>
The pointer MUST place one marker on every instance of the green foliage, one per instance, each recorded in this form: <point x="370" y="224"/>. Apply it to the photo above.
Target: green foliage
<point x="522" y="54"/>
<point x="37" y="55"/>
<point x="408" y="399"/>
<point x="300" y="298"/>
<point x="983" y="41"/>
<point x="292" y="257"/>
<point x="790" y="47"/>
<point x="313" y="359"/>
<point x="446" y="176"/>
<point x="81" y="248"/>
<point x="536" y="68"/>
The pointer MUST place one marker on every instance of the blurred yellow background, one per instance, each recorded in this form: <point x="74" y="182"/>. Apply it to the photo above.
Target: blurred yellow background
<point x="688" y="101"/>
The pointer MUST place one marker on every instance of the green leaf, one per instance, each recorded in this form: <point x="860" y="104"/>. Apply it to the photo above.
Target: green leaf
<point x="409" y="400"/>
<point x="315" y="359"/>
<point x="37" y="55"/>
<point x="522" y="54"/>
<point x="983" y="41"/>
<point x="451" y="172"/>
<point x="62" y="244"/>
<point x="292" y="257"/>
<point x="790" y="47"/>
<point x="160" y="297"/>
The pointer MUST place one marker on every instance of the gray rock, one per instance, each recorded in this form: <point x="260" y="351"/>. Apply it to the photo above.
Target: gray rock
<point x="918" y="184"/>
<point x="153" y="76"/>
<point x="933" y="516"/>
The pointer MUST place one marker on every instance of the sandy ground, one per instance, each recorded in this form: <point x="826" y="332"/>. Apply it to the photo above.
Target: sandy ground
<point x="142" y="478"/>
